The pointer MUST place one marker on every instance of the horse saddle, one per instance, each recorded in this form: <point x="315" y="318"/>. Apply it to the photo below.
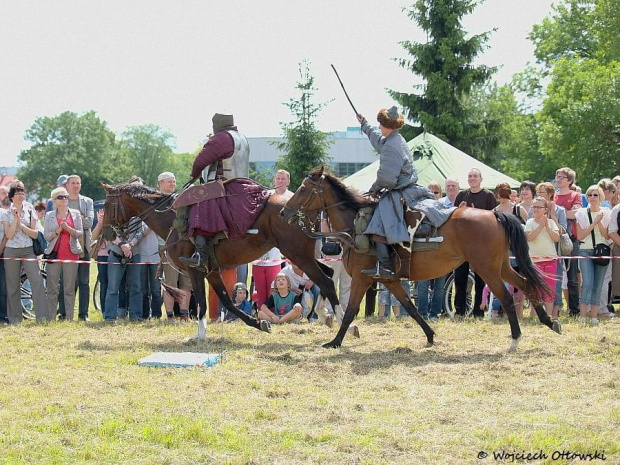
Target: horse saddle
<point x="200" y="193"/>
<point x="419" y="227"/>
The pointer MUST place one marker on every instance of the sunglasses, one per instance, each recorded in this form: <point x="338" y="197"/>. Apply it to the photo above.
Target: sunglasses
<point x="435" y="192"/>
<point x="592" y="195"/>
<point x="557" y="176"/>
<point x="538" y="207"/>
<point x="62" y="197"/>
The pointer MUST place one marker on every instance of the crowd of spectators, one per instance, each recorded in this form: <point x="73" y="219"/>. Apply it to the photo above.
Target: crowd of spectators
<point x="282" y="292"/>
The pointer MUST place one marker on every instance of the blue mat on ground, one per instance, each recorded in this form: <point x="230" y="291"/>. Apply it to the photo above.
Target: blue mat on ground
<point x="179" y="359"/>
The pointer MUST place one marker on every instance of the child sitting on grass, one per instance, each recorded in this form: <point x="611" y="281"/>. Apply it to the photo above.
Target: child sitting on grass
<point x="283" y="305"/>
<point x="240" y="299"/>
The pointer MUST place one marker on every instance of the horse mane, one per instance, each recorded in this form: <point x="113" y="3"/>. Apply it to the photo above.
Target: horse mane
<point x="349" y="195"/>
<point x="142" y="192"/>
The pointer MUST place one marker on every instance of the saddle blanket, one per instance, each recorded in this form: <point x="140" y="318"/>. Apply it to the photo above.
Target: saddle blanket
<point x="234" y="213"/>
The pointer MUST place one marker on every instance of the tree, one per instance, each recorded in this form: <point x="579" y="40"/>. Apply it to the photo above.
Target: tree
<point x="580" y="117"/>
<point x="70" y="144"/>
<point x="304" y="146"/>
<point x="149" y="151"/>
<point x="508" y="139"/>
<point x="445" y="64"/>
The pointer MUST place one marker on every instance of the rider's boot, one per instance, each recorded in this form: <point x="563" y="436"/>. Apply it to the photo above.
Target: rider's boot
<point x="383" y="269"/>
<point x="199" y="258"/>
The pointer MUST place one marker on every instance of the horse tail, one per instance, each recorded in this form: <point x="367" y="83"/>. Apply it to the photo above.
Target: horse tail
<point x="517" y="241"/>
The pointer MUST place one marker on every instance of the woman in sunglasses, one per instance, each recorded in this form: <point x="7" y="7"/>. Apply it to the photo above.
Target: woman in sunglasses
<point x="20" y="228"/>
<point x="63" y="230"/>
<point x="593" y="219"/>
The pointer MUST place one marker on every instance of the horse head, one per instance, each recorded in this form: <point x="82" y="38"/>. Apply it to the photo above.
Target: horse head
<point x="113" y="213"/>
<point x="307" y="198"/>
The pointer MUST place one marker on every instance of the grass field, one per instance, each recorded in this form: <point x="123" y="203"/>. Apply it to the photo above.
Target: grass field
<point x="73" y="393"/>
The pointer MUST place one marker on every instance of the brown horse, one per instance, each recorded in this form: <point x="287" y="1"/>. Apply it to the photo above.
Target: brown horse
<point x="124" y="201"/>
<point x="480" y="237"/>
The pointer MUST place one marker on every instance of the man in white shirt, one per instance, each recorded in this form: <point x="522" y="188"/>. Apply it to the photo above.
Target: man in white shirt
<point x="281" y="182"/>
<point x="452" y="190"/>
<point x="167" y="184"/>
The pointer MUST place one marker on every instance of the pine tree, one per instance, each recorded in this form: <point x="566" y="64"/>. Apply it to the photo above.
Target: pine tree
<point x="445" y="64"/>
<point x="304" y="146"/>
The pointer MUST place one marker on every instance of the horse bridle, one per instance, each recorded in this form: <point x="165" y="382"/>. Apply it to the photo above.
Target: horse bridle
<point x="303" y="212"/>
<point x="123" y="230"/>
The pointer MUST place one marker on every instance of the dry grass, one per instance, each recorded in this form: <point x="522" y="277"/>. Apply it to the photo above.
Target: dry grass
<point x="73" y="393"/>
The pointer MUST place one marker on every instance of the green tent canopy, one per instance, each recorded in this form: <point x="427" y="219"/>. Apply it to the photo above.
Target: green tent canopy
<point x="435" y="160"/>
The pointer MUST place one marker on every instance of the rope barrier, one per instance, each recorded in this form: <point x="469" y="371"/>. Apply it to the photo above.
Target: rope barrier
<point x="285" y="260"/>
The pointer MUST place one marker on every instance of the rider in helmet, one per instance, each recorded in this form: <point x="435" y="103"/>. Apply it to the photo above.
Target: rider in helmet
<point x="225" y="143"/>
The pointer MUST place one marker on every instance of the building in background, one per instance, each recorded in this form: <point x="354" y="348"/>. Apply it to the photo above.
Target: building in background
<point x="349" y="153"/>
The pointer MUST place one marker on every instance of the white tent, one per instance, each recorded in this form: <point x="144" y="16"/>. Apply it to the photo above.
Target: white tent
<point x="435" y="160"/>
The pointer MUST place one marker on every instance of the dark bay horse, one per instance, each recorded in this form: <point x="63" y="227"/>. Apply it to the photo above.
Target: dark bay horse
<point x="480" y="237"/>
<point x="124" y="201"/>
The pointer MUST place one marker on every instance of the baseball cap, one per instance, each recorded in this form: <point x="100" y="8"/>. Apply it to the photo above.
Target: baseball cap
<point x="62" y="180"/>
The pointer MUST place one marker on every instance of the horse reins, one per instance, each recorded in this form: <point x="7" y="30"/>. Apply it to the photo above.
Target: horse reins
<point x="303" y="211"/>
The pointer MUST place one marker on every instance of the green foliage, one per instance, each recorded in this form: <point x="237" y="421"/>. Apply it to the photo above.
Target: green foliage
<point x="148" y="149"/>
<point x="304" y="146"/>
<point x="580" y="118"/>
<point x="181" y="165"/>
<point x="445" y="64"/>
<point x="261" y="175"/>
<point x="70" y="144"/>
<point x="506" y="139"/>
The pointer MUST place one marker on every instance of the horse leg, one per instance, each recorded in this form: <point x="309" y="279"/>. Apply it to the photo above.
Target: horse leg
<point x="198" y="285"/>
<point x="359" y="285"/>
<point x="497" y="287"/>
<point x="512" y="277"/>
<point x="215" y="280"/>
<point x="397" y="289"/>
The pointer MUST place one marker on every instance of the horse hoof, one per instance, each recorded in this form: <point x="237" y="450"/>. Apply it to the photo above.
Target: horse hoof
<point x="557" y="327"/>
<point x="332" y="345"/>
<point x="429" y="344"/>
<point x="265" y="326"/>
<point x="513" y="345"/>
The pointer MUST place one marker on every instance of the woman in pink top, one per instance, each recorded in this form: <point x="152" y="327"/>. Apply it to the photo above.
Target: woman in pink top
<point x="63" y="228"/>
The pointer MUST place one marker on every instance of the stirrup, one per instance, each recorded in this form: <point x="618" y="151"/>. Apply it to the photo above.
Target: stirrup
<point x="379" y="272"/>
<point x="194" y="261"/>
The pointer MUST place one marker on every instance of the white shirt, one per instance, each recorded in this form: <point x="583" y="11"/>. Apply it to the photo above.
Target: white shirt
<point x="613" y="220"/>
<point x="296" y="280"/>
<point x="543" y="246"/>
<point x="20" y="239"/>
<point x="287" y="193"/>
<point x="271" y="258"/>
<point x="581" y="216"/>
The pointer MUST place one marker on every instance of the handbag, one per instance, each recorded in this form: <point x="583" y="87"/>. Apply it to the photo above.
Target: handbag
<point x="566" y="245"/>
<point x="39" y="244"/>
<point x="600" y="249"/>
<point x="331" y="248"/>
<point x="53" y="255"/>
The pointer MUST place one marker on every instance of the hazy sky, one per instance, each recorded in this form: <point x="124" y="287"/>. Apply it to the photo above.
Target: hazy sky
<point x="175" y="63"/>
